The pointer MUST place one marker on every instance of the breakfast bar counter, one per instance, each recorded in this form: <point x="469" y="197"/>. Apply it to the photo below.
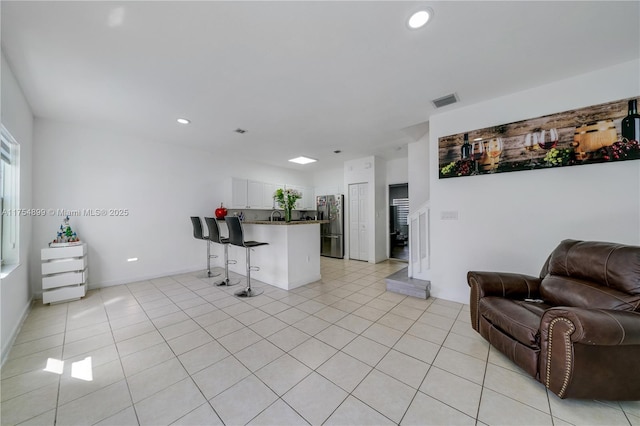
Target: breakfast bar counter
<point x="282" y="222"/>
<point x="292" y="258"/>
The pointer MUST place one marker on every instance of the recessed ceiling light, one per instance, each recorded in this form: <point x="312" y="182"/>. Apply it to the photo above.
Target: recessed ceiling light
<point x="420" y="18"/>
<point x="303" y="160"/>
<point x="183" y="121"/>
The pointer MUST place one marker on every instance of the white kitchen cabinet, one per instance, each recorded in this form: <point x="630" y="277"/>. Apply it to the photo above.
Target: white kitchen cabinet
<point x="246" y="194"/>
<point x="267" y="196"/>
<point x="255" y="191"/>
<point x="308" y="199"/>
<point x="239" y="194"/>
<point x="64" y="273"/>
<point x="253" y="194"/>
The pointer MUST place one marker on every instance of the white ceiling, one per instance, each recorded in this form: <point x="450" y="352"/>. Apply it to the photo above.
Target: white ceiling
<point x="303" y="78"/>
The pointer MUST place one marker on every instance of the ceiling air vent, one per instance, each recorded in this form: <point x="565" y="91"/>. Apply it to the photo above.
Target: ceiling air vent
<point x="445" y="100"/>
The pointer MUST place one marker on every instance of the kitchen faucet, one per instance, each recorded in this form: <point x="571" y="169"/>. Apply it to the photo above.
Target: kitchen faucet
<point x="275" y="211"/>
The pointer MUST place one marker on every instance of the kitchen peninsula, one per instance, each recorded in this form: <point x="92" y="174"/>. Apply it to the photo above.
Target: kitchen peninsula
<point x="292" y="258"/>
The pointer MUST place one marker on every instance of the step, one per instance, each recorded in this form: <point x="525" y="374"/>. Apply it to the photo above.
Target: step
<point x="399" y="282"/>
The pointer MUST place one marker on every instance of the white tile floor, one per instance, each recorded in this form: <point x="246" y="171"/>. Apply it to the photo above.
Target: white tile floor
<point x="343" y="351"/>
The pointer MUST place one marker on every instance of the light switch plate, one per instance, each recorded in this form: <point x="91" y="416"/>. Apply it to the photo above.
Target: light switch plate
<point x="449" y="215"/>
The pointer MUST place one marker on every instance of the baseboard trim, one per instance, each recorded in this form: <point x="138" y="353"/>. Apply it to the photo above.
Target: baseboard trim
<point x="16" y="330"/>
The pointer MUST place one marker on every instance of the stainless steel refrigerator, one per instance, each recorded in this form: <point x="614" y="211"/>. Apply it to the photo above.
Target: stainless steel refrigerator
<point x="330" y="207"/>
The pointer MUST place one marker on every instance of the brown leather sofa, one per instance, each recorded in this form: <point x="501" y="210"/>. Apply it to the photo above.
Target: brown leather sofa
<point x="576" y="327"/>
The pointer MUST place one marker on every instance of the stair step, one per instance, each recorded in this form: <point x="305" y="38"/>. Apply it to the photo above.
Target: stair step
<point x="399" y="282"/>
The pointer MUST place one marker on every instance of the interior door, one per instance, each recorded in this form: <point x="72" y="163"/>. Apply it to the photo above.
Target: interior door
<point x="358" y="221"/>
<point x="363" y="219"/>
<point x="354" y="221"/>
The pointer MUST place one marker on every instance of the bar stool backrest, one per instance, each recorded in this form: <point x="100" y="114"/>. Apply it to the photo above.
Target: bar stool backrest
<point x="214" y="229"/>
<point x="236" y="236"/>
<point x="197" y="228"/>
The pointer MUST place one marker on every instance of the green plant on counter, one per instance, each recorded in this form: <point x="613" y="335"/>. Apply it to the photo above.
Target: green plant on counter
<point x="286" y="199"/>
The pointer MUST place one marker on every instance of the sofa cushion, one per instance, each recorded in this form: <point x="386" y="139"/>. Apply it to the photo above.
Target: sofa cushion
<point x="611" y="265"/>
<point x="519" y="319"/>
<point x="566" y="291"/>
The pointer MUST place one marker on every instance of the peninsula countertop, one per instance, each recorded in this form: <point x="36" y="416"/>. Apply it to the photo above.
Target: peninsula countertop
<point x="282" y="222"/>
<point x="291" y="257"/>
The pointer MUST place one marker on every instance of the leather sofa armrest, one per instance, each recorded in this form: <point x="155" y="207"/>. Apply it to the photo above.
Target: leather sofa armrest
<point x="595" y="326"/>
<point x="589" y="353"/>
<point x="504" y="284"/>
<point x="501" y="284"/>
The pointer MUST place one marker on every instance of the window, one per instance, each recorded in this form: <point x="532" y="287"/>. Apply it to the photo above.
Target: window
<point x="403" y="210"/>
<point x="9" y="198"/>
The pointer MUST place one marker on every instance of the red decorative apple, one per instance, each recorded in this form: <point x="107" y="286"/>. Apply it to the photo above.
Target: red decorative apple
<point x="221" y="212"/>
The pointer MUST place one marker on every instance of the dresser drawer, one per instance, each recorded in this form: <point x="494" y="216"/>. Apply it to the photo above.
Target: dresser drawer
<point x="64" y="265"/>
<point x="68" y="278"/>
<point x="64" y="294"/>
<point x="63" y="252"/>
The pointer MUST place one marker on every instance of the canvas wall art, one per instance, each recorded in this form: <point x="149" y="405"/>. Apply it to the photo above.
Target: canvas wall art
<point x="601" y="133"/>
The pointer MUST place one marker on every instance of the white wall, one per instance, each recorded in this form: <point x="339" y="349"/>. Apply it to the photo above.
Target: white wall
<point x="161" y="185"/>
<point x="418" y="199"/>
<point x="15" y="296"/>
<point x="397" y="171"/>
<point x="381" y="206"/>
<point x="329" y="182"/>
<point x="512" y="221"/>
<point x="418" y="171"/>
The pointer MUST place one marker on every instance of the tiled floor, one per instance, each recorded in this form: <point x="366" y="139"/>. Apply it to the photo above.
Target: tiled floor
<point x="177" y="350"/>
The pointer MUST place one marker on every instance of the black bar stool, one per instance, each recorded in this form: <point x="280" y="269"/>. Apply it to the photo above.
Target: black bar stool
<point x="214" y="235"/>
<point x="236" y="237"/>
<point x="199" y="235"/>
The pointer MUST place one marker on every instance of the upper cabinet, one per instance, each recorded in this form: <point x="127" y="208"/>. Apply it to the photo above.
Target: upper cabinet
<point x="246" y="194"/>
<point x="255" y="191"/>
<point x="238" y="193"/>
<point x="267" y="198"/>
<point x="307" y="202"/>
<point x="252" y="194"/>
<point x="308" y="199"/>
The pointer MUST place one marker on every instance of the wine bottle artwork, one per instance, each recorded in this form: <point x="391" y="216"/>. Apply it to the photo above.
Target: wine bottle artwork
<point x="602" y="133"/>
<point x="630" y="125"/>
<point x="465" y="150"/>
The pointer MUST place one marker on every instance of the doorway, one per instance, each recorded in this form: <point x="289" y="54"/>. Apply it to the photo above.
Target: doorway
<point x="398" y="226"/>
<point x="358" y="221"/>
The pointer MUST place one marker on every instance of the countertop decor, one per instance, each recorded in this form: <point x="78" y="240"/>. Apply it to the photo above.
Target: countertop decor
<point x="286" y="199"/>
<point x="283" y="222"/>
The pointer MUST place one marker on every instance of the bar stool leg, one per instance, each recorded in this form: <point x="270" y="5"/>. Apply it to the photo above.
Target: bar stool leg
<point x="208" y="273"/>
<point x="248" y="291"/>
<point x="208" y="258"/>
<point x="226" y="281"/>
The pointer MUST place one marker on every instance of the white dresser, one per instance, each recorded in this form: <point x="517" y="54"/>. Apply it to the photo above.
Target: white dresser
<point x="64" y="273"/>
